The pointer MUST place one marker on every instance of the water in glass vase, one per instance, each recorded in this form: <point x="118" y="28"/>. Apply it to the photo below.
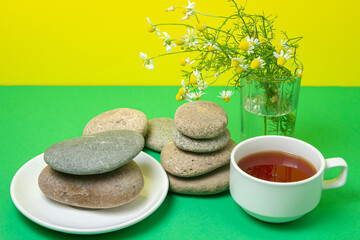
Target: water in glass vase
<point x="260" y="117"/>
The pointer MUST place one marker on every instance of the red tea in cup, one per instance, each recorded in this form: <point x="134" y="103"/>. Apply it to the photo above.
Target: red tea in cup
<point x="276" y="166"/>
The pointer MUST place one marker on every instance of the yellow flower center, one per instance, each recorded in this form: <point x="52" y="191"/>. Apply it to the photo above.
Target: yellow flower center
<point x="234" y="63"/>
<point x="200" y="27"/>
<point x="182" y="91"/>
<point x="244" y="45"/>
<point x="182" y="62"/>
<point x="179" y="42"/>
<point x="197" y="97"/>
<point x="299" y="73"/>
<point x="150" y="28"/>
<point x="183" y="10"/>
<point x="278" y="50"/>
<point x="281" y="61"/>
<point x="179" y="97"/>
<point x="226" y="99"/>
<point x="211" y="48"/>
<point x="255" y="63"/>
<point x="193" y="80"/>
<point x="239" y="70"/>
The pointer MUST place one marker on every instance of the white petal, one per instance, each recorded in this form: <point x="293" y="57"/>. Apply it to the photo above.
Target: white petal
<point x="183" y="83"/>
<point x="166" y="35"/>
<point x="143" y="55"/>
<point x="168" y="48"/>
<point x="149" y="21"/>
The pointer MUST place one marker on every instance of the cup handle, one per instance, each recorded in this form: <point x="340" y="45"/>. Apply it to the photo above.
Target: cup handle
<point x="339" y="180"/>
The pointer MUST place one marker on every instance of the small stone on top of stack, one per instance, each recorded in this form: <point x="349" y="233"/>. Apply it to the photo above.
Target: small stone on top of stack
<point x="197" y="160"/>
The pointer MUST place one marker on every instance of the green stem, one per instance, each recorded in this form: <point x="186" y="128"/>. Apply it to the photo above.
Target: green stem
<point x="208" y="15"/>
<point x="174" y="24"/>
<point x="165" y="54"/>
<point x="265" y="125"/>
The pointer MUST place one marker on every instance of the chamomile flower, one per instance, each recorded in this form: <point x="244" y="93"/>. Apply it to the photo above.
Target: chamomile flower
<point x="152" y="28"/>
<point x="186" y="61"/>
<point x="194" y="95"/>
<point x="226" y="95"/>
<point x="242" y="67"/>
<point x="167" y="42"/>
<point x="191" y="39"/>
<point x="257" y="62"/>
<point x="236" y="61"/>
<point x="299" y="73"/>
<point x="248" y="44"/>
<point x="202" y="85"/>
<point x="180" y="97"/>
<point x="253" y="41"/>
<point x="147" y="62"/>
<point x="189" y="10"/>
<point x="195" y="78"/>
<point x="284" y="46"/>
<point x="171" y="8"/>
<point x="281" y="58"/>
<point x="211" y="47"/>
<point x="200" y="27"/>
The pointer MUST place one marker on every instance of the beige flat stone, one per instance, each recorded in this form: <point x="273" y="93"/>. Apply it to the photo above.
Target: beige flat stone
<point x="201" y="119"/>
<point x="187" y="164"/>
<point x="118" y="119"/>
<point x="211" y="183"/>
<point x="105" y="190"/>
<point x="159" y="133"/>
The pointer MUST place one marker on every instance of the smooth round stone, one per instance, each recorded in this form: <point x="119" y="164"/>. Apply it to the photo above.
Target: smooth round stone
<point x="94" y="154"/>
<point x="105" y="190"/>
<point x="118" y="119"/>
<point x="159" y="133"/>
<point x="211" y="183"/>
<point x="201" y="119"/>
<point x="187" y="164"/>
<point x="201" y="145"/>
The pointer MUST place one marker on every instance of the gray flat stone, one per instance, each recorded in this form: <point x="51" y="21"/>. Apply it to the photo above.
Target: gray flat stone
<point x="118" y="119"/>
<point x="211" y="183"/>
<point x="187" y="164"/>
<point x="201" y="119"/>
<point x="201" y="145"/>
<point x="94" y="154"/>
<point x="105" y="190"/>
<point x="159" y="133"/>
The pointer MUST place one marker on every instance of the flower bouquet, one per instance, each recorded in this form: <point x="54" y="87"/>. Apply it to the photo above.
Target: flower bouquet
<point x="242" y="49"/>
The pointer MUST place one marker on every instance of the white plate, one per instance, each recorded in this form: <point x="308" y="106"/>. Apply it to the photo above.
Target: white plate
<point x="31" y="202"/>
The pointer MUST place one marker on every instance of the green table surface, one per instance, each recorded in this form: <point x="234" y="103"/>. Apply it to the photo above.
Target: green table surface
<point x="33" y="118"/>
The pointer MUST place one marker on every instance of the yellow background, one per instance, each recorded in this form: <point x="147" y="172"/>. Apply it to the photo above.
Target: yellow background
<point x="78" y="42"/>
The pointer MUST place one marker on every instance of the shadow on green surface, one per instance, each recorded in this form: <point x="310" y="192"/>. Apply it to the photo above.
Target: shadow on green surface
<point x="329" y="207"/>
<point x="214" y="196"/>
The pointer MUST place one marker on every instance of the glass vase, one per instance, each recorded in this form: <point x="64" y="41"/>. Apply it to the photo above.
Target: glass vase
<point x="268" y="106"/>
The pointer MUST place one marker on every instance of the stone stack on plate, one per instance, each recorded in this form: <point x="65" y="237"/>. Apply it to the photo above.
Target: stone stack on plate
<point x="97" y="170"/>
<point x="197" y="160"/>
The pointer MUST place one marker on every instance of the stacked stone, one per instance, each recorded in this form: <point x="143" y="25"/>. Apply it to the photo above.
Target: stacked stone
<point x="97" y="170"/>
<point x="159" y="133"/>
<point x="197" y="159"/>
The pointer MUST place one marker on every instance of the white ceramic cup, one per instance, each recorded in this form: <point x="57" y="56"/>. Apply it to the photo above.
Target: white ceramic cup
<point x="281" y="202"/>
